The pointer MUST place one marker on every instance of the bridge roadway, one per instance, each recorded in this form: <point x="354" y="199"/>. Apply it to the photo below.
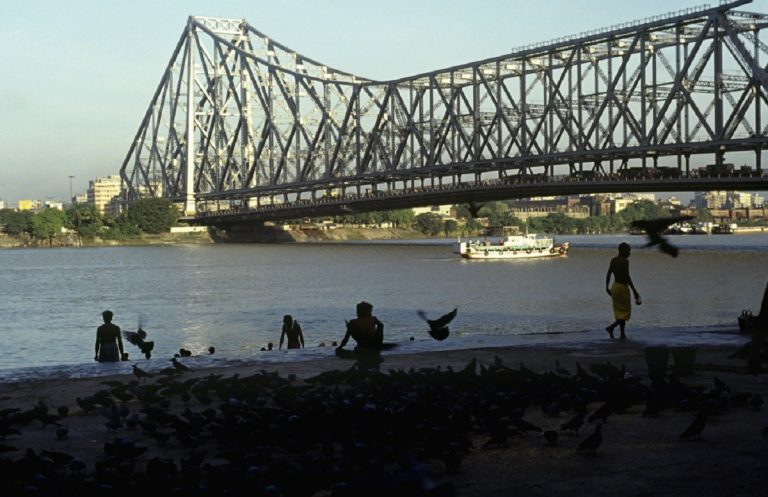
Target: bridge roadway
<point x="513" y="187"/>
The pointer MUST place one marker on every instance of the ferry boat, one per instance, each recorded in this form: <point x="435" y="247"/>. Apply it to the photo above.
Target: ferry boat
<point x="526" y="246"/>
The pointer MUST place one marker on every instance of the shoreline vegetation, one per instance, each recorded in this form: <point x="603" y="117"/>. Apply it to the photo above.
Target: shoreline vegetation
<point x="479" y="422"/>
<point x="153" y="221"/>
<point x="264" y="235"/>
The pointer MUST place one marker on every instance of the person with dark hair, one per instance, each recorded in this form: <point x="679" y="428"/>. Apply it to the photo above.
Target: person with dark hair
<point x="366" y="329"/>
<point x="292" y="330"/>
<point x="109" y="344"/>
<point x="619" y="291"/>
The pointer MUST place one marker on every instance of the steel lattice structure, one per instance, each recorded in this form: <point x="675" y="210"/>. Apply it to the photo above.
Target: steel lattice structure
<point x="240" y="119"/>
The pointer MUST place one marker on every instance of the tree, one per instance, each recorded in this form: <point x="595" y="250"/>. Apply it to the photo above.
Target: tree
<point x="496" y="212"/>
<point x="704" y="215"/>
<point x="450" y="226"/>
<point x="401" y="218"/>
<point x="153" y="215"/>
<point x="644" y="209"/>
<point x="15" y="222"/>
<point x="85" y="219"/>
<point x="47" y="223"/>
<point x="429" y="224"/>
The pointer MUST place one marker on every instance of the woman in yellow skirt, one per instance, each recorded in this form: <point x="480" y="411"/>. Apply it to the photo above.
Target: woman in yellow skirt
<point x="619" y="291"/>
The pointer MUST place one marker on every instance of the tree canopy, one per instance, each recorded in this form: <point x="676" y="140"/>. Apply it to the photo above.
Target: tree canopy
<point x="153" y="215"/>
<point x="47" y="223"/>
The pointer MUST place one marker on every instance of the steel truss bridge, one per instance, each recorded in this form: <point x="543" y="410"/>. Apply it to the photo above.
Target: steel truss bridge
<point x="243" y="129"/>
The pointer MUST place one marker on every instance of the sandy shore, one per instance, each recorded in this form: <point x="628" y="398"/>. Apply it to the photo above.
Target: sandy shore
<point x="639" y="455"/>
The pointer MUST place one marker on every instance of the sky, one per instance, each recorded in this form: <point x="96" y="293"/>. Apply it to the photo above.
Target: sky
<point x="76" y="76"/>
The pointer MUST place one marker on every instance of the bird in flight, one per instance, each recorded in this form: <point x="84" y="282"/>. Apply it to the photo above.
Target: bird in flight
<point x="137" y="338"/>
<point x="438" y="328"/>
<point x="654" y="229"/>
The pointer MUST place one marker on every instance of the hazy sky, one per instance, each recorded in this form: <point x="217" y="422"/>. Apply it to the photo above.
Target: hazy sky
<point x="76" y="76"/>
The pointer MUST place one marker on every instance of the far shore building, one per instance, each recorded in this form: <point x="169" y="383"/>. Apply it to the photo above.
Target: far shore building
<point x="103" y="192"/>
<point x="720" y="199"/>
<point x="444" y="211"/>
<point x="54" y="204"/>
<point x="29" y="205"/>
<point x="570" y="206"/>
<point x="2" y="204"/>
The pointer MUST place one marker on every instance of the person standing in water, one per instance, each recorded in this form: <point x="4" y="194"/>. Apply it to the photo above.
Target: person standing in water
<point x="292" y="330"/>
<point x="109" y="343"/>
<point x="619" y="291"/>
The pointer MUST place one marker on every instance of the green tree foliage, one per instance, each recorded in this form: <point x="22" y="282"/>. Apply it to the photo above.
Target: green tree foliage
<point x="85" y="219"/>
<point x="496" y="212"/>
<point x="704" y="215"/>
<point x="429" y="224"/>
<point x="47" y="223"/>
<point x="153" y="215"/>
<point x="463" y="212"/>
<point x="401" y="218"/>
<point x="15" y="222"/>
<point x="450" y="226"/>
<point x="120" y="228"/>
<point x="644" y="209"/>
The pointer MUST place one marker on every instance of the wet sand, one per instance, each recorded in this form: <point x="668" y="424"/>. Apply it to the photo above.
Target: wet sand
<point x="639" y="456"/>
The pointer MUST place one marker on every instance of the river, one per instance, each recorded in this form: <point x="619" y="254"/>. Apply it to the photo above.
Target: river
<point x="233" y="297"/>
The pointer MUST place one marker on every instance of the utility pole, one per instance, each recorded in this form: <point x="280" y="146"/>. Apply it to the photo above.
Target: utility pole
<point x="70" y="189"/>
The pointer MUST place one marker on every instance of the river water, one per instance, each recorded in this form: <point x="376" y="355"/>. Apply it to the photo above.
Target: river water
<point x="233" y="297"/>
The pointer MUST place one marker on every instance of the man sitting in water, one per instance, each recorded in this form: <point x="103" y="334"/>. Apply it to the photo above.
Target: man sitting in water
<point x="366" y="329"/>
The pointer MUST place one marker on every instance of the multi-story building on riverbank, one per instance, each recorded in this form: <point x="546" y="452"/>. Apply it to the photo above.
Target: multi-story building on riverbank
<point x="102" y="193"/>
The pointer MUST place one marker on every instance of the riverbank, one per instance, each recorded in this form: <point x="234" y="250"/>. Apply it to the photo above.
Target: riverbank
<point x="639" y="454"/>
<point x="262" y="235"/>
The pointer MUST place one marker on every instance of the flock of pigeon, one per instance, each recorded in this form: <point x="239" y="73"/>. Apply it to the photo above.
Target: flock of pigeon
<point x="341" y="433"/>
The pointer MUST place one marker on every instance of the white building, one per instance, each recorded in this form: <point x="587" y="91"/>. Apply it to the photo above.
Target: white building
<point x="727" y="200"/>
<point x="53" y="204"/>
<point x="625" y="200"/>
<point x="740" y="200"/>
<point x="102" y="191"/>
<point x="440" y="210"/>
<point x="711" y="200"/>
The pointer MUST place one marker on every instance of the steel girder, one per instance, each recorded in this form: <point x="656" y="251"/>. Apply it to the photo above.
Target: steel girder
<point x="240" y="117"/>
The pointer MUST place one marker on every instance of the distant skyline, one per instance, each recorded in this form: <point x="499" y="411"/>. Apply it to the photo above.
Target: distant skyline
<point x="77" y="76"/>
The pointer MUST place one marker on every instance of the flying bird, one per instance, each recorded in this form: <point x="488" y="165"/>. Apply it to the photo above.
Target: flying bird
<point x="438" y="328"/>
<point x="655" y="227"/>
<point x="137" y="338"/>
